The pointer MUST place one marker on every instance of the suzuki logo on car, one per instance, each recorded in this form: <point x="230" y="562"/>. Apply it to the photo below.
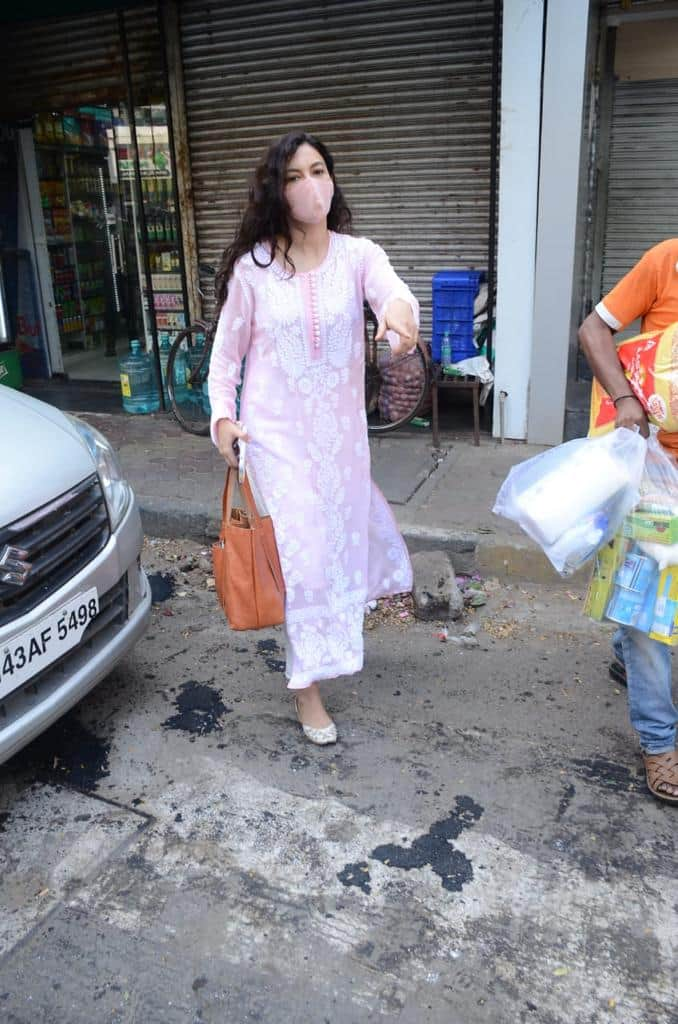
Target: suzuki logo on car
<point x="14" y="568"/>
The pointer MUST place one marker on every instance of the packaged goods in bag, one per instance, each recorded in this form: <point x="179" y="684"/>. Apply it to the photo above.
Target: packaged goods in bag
<point x="650" y="364"/>
<point x="634" y="592"/>
<point x="666" y="608"/>
<point x="629" y="588"/>
<point x="580" y="541"/>
<point x="572" y="499"/>
<point x="557" y="502"/>
<point x="654" y="520"/>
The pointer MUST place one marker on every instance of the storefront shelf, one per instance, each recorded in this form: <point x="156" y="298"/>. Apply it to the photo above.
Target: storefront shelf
<point x="61" y="147"/>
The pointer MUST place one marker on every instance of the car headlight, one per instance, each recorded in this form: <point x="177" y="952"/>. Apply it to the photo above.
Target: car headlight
<point x="117" y="491"/>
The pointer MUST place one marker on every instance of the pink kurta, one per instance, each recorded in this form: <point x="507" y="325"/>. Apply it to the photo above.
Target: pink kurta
<point x="303" y="403"/>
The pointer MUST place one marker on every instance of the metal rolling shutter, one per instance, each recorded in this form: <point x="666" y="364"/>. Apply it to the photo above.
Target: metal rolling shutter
<point x="399" y="91"/>
<point x="58" y="63"/>
<point x="642" y="205"/>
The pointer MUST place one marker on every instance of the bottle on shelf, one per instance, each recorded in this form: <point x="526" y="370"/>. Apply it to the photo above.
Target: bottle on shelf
<point x="446" y="350"/>
<point x="137" y="381"/>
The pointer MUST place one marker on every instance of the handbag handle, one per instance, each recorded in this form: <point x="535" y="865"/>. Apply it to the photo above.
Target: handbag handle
<point x="246" y="491"/>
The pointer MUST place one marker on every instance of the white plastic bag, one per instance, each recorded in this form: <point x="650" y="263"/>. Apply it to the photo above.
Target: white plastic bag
<point x="659" y="484"/>
<point x="654" y="521"/>
<point x="572" y="499"/>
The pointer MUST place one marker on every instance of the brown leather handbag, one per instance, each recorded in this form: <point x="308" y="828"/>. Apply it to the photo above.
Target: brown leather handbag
<point x="247" y="573"/>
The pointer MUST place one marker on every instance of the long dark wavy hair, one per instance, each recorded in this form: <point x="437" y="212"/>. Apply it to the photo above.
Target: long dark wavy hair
<point x="266" y="218"/>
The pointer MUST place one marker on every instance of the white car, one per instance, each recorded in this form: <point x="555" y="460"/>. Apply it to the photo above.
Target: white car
<point x="73" y="596"/>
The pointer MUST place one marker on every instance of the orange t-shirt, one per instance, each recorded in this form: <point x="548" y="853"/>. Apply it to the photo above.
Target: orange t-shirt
<point x="649" y="290"/>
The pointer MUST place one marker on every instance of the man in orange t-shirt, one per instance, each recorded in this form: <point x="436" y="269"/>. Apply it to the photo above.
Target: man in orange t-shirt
<point x="649" y="291"/>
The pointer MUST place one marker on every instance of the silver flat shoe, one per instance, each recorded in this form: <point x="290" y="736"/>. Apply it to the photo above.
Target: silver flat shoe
<point x="321" y="737"/>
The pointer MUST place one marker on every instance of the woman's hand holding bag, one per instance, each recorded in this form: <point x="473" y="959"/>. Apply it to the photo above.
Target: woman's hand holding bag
<point x="229" y="433"/>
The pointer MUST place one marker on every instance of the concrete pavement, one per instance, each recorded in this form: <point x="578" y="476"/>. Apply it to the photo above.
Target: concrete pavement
<point x="478" y="848"/>
<point x="441" y="498"/>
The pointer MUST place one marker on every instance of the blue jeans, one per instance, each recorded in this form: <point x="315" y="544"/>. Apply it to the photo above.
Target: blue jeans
<point x="648" y="673"/>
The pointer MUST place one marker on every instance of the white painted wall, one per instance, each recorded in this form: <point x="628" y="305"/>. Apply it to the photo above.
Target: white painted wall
<point x="555" y="311"/>
<point x="518" y="183"/>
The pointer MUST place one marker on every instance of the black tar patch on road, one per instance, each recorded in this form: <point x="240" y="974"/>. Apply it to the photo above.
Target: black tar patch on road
<point x="200" y="709"/>
<point x="607" y="774"/>
<point x="565" y="800"/>
<point x="67" y="753"/>
<point x="267" y="649"/>
<point x="356" y="874"/>
<point x="434" y="849"/>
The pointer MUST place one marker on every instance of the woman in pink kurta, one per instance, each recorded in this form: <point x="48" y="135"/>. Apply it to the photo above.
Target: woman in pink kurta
<point x="292" y="292"/>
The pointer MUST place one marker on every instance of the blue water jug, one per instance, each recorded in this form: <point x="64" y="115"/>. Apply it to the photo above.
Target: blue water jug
<point x="137" y="381"/>
<point x="164" y="357"/>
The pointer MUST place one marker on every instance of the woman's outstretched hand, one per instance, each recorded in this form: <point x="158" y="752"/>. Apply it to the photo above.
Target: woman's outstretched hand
<point x="398" y="317"/>
<point x="228" y="433"/>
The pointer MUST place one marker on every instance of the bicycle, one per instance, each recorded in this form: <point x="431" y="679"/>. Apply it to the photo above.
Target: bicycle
<point x="396" y="389"/>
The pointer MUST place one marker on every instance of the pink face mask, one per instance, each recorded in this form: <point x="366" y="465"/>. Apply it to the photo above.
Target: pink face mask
<point x="310" y="199"/>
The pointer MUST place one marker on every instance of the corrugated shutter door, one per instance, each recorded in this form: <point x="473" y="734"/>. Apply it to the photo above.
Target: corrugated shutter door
<point x="59" y="63"/>
<point x="642" y="205"/>
<point x="400" y="92"/>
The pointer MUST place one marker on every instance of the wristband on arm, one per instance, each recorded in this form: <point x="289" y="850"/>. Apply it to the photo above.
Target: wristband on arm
<point x="619" y="399"/>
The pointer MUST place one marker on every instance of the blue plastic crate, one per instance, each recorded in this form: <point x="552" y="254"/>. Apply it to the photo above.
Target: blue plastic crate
<point x="454" y="292"/>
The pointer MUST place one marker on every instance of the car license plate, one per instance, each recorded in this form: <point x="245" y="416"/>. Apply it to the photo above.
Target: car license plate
<point x="33" y="650"/>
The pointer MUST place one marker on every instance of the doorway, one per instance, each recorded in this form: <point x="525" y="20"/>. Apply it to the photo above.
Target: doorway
<point x="107" y="226"/>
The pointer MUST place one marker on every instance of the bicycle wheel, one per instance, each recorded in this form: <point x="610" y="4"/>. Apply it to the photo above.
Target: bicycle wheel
<point x="187" y="369"/>
<point x="395" y="388"/>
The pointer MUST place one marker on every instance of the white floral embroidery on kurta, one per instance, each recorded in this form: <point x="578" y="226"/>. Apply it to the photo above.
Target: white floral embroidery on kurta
<point x="303" y="404"/>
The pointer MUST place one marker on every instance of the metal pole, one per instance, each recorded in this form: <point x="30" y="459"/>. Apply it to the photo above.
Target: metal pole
<point x="494" y="175"/>
<point x="172" y="103"/>
<point x="142" y="212"/>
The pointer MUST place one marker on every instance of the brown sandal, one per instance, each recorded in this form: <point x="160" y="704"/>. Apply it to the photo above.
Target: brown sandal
<point x="662" y="769"/>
